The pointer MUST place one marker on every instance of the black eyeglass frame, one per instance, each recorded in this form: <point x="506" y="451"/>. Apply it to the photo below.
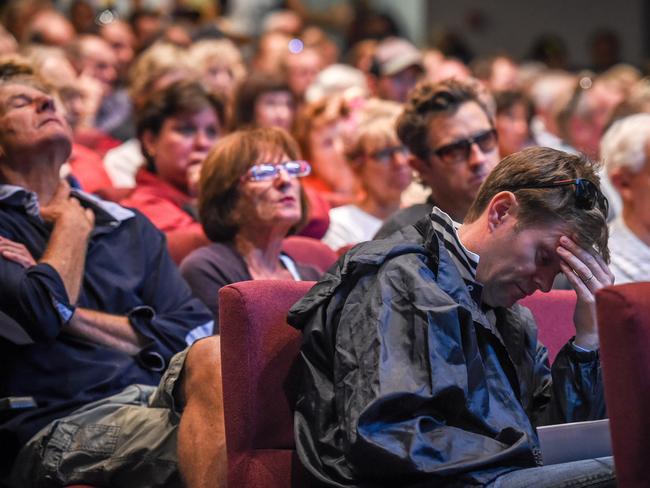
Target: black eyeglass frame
<point x="587" y="194"/>
<point x="466" y="145"/>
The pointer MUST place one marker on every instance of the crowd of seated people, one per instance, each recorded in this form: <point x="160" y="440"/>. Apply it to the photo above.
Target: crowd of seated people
<point x="178" y="137"/>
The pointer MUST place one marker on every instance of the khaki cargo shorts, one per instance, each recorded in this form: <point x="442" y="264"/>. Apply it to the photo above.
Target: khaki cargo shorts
<point x="126" y="440"/>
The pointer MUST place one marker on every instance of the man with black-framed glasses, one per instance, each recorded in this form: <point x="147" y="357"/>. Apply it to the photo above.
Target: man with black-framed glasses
<point x="450" y="134"/>
<point x="420" y="369"/>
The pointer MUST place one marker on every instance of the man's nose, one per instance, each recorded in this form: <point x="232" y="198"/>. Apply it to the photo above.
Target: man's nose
<point x="476" y="156"/>
<point x="45" y="103"/>
<point x="544" y="281"/>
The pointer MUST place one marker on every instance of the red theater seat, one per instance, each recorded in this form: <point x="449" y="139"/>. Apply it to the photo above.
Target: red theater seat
<point x="309" y="251"/>
<point x="260" y="380"/>
<point x="624" y="328"/>
<point x="261" y="374"/>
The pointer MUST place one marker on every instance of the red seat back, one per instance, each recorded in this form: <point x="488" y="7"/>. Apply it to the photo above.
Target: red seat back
<point x="309" y="251"/>
<point x="261" y="374"/>
<point x="260" y="381"/>
<point x="624" y="328"/>
<point x="553" y="313"/>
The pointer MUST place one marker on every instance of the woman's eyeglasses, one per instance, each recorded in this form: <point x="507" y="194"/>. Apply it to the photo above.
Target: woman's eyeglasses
<point x="269" y="171"/>
<point x="587" y="194"/>
<point x="459" y="151"/>
<point x="386" y="155"/>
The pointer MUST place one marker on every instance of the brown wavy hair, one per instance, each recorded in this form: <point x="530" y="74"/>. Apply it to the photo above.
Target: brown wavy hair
<point x="221" y="174"/>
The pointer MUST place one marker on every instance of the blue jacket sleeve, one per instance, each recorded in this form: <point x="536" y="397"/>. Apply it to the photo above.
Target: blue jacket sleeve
<point x="35" y="298"/>
<point x="169" y="315"/>
<point x="577" y="391"/>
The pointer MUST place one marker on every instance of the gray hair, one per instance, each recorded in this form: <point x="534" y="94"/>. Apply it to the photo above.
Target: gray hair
<point x="625" y="143"/>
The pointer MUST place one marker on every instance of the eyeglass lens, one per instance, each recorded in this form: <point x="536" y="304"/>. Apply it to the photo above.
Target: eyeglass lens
<point x="386" y="154"/>
<point x="264" y="171"/>
<point x="460" y="151"/>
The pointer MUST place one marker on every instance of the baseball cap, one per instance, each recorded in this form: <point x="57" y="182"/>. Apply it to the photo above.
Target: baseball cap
<point x="395" y="54"/>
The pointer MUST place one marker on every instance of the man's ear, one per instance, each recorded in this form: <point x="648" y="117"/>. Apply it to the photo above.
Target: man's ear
<point x="501" y="209"/>
<point x="621" y="178"/>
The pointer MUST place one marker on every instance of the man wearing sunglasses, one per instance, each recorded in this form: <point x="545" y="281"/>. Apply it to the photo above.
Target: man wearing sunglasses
<point x="421" y="369"/>
<point x="451" y="137"/>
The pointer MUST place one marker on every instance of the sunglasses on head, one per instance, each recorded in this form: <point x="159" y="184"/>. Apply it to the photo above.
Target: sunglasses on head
<point x="269" y="171"/>
<point x="459" y="151"/>
<point x="587" y="194"/>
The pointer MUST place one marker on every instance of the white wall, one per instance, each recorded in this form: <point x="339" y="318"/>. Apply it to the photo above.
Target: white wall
<point x="511" y="25"/>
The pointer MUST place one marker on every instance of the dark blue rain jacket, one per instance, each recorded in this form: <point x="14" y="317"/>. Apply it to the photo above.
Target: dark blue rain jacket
<point x="408" y="382"/>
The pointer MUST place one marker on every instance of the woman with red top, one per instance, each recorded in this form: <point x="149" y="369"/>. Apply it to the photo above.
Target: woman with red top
<point x="176" y="128"/>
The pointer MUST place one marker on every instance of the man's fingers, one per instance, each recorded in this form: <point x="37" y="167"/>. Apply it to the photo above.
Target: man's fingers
<point x="580" y="287"/>
<point x="584" y="262"/>
<point x="16" y="247"/>
<point x="24" y="260"/>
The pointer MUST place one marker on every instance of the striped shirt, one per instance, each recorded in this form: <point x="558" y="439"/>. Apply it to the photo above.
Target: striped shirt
<point x="465" y="260"/>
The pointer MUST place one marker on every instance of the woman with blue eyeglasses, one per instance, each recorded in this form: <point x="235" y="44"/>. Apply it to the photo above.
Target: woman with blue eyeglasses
<point x="380" y="162"/>
<point x="250" y="199"/>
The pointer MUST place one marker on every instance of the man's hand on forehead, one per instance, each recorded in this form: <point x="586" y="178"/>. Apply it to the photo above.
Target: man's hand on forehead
<point x="585" y="269"/>
<point x="587" y="273"/>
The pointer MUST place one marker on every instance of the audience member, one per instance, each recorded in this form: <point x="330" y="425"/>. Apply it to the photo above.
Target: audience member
<point x="320" y="41"/>
<point x="286" y="21"/>
<point x="546" y="93"/>
<point x="498" y="73"/>
<point x="625" y="150"/>
<point x="82" y="15"/>
<point x="623" y="76"/>
<point x="147" y="26"/>
<point x="453" y="144"/>
<point x="396" y="66"/>
<point x="301" y="68"/>
<point x="380" y="161"/>
<point x="582" y="121"/>
<point x="220" y="65"/>
<point x="361" y="55"/>
<point x="119" y="35"/>
<point x="84" y="165"/>
<point x="419" y="367"/>
<point x="93" y="56"/>
<point x="250" y="199"/>
<point x="584" y="114"/>
<point x="80" y="95"/>
<point x="449" y="69"/>
<point x="8" y="42"/>
<point x="263" y="100"/>
<point x="338" y="79"/>
<point x="176" y="127"/>
<point x="154" y="69"/>
<point x="320" y="129"/>
<point x="512" y="121"/>
<point x="103" y="306"/>
<point x="49" y="27"/>
<point x="270" y="50"/>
